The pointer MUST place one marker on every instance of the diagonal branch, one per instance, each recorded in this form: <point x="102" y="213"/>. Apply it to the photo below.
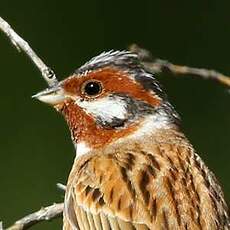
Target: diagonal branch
<point x="47" y="73"/>
<point x="44" y="214"/>
<point x="157" y="65"/>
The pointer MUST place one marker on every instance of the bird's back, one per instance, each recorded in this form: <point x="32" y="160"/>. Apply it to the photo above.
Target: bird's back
<point x="158" y="182"/>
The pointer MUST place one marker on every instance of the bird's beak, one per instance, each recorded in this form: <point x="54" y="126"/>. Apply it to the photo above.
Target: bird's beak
<point x="52" y="96"/>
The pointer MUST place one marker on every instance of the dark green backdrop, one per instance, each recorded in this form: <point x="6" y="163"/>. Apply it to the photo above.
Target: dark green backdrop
<point x="35" y="148"/>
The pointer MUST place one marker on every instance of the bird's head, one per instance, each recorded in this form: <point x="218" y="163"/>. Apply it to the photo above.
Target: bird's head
<point x="109" y="98"/>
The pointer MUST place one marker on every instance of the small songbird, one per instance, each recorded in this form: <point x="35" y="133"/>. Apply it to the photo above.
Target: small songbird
<point x="134" y="167"/>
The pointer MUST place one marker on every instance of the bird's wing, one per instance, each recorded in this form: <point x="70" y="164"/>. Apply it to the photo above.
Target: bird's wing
<point x="117" y="190"/>
<point x="109" y="194"/>
<point x="135" y="190"/>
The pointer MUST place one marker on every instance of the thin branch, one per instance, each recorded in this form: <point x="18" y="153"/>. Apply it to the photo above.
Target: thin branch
<point x="47" y="73"/>
<point x="156" y="65"/>
<point x="60" y="186"/>
<point x="44" y="214"/>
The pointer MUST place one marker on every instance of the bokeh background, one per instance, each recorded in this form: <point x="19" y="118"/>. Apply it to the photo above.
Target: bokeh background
<point x="35" y="147"/>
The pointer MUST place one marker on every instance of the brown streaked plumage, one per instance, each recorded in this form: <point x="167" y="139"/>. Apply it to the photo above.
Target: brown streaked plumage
<point x="134" y="168"/>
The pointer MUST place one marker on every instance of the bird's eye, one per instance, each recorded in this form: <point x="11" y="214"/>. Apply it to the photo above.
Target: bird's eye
<point x="92" y="88"/>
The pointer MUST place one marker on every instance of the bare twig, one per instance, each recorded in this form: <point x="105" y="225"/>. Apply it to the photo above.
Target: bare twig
<point x="47" y="73"/>
<point x="44" y="214"/>
<point x="60" y="186"/>
<point x="156" y="65"/>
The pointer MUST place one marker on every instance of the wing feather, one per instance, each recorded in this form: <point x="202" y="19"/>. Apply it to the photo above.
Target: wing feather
<point x="153" y="187"/>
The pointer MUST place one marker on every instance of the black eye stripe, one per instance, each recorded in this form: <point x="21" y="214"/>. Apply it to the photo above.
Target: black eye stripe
<point x="92" y="88"/>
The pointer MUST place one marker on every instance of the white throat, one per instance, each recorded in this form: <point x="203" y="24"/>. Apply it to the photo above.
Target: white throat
<point x="81" y="148"/>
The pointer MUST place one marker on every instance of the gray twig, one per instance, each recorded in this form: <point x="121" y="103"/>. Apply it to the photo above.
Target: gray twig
<point x="62" y="187"/>
<point x="44" y="214"/>
<point x="156" y="65"/>
<point x="47" y="73"/>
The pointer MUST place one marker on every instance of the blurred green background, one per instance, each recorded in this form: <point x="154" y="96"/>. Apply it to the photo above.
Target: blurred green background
<point x="35" y="147"/>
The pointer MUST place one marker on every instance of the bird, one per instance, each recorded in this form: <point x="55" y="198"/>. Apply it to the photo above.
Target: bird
<point x="134" y="167"/>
